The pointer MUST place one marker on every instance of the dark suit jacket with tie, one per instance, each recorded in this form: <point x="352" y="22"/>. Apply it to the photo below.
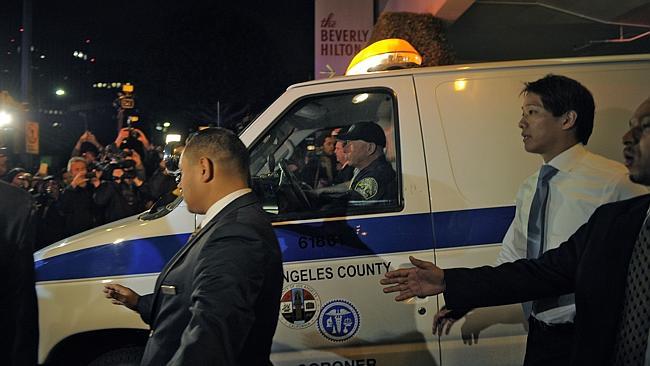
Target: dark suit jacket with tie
<point x="217" y="301"/>
<point x="18" y="307"/>
<point x="592" y="263"/>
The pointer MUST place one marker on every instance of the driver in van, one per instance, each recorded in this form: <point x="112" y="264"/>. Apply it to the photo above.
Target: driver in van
<point x="374" y="177"/>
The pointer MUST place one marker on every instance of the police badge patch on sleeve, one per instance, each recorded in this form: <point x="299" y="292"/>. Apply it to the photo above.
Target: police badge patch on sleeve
<point x="367" y="187"/>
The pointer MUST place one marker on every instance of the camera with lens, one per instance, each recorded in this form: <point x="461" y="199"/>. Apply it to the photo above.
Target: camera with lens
<point x="45" y="189"/>
<point x="116" y="158"/>
<point x="127" y="166"/>
<point x="133" y="133"/>
<point x="92" y="168"/>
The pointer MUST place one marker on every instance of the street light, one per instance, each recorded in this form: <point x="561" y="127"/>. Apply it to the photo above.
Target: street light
<point x="5" y="119"/>
<point x="59" y="92"/>
<point x="172" y="138"/>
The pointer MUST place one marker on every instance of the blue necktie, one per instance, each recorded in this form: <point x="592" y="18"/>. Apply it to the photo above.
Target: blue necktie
<point x="537" y="220"/>
<point x="537" y="215"/>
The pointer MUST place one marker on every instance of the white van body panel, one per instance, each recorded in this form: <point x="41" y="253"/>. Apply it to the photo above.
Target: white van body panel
<point x="460" y="162"/>
<point x="70" y="303"/>
<point x="358" y="290"/>
<point x="468" y="171"/>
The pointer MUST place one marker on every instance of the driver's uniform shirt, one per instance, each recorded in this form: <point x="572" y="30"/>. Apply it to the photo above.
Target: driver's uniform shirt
<point x="377" y="181"/>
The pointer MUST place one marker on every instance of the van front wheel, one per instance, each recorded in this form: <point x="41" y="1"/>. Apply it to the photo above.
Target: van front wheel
<point x="128" y="356"/>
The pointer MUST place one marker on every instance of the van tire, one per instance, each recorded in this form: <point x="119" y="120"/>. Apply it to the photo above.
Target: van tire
<point x="129" y="356"/>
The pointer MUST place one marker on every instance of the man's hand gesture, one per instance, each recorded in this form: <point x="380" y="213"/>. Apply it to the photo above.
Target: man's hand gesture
<point x="425" y="279"/>
<point x="121" y="295"/>
<point x="79" y="180"/>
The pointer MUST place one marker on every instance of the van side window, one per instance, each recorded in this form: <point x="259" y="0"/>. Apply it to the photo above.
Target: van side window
<point x="330" y="155"/>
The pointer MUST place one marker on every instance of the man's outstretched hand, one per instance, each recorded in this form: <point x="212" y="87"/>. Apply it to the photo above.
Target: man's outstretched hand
<point x="425" y="279"/>
<point x="121" y="295"/>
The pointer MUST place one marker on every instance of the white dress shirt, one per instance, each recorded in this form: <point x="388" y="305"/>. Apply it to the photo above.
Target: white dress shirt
<point x="219" y="205"/>
<point x="583" y="182"/>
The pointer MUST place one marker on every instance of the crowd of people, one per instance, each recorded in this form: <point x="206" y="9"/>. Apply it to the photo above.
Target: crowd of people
<point x="100" y="184"/>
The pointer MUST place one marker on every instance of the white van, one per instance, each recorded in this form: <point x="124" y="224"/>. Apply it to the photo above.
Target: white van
<point x="453" y="141"/>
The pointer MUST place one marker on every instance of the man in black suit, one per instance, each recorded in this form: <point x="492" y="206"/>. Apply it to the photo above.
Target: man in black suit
<point x="606" y="263"/>
<point x="18" y="307"/>
<point x="217" y="300"/>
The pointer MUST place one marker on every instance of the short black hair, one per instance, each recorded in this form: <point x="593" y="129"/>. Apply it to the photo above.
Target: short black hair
<point x="223" y="146"/>
<point x="321" y="136"/>
<point x="88" y="147"/>
<point x="561" y="94"/>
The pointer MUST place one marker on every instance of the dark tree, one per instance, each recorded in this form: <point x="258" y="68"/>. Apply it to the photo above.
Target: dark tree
<point x="424" y="31"/>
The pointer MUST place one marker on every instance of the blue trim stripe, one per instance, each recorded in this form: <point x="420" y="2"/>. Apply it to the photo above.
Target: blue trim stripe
<point x="357" y="237"/>
<point x="299" y="242"/>
<point x="126" y="258"/>
<point x="472" y="227"/>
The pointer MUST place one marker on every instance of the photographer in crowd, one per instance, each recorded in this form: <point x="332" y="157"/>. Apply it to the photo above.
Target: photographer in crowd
<point x="76" y="203"/>
<point x="45" y="191"/>
<point x="19" y="177"/>
<point x="159" y="184"/>
<point x="100" y="185"/>
<point x="136" y="140"/>
<point x="119" y="194"/>
<point x="87" y="147"/>
<point x="50" y="223"/>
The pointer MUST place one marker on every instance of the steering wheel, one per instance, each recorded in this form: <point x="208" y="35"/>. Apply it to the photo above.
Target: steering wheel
<point x="294" y="194"/>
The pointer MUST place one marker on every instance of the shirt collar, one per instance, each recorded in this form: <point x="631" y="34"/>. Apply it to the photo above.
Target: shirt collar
<point x="221" y="204"/>
<point x="569" y="158"/>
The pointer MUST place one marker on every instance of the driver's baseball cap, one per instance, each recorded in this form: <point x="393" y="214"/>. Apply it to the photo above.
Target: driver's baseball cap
<point x="367" y="131"/>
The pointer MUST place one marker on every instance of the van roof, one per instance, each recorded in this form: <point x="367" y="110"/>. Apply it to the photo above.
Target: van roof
<point x="482" y="66"/>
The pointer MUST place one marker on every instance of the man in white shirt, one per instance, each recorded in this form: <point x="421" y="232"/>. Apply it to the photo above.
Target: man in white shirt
<point x="217" y="300"/>
<point x="556" y="123"/>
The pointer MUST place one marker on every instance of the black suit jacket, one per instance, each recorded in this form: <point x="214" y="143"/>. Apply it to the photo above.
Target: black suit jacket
<point x="18" y="308"/>
<point x="224" y="305"/>
<point x="592" y="263"/>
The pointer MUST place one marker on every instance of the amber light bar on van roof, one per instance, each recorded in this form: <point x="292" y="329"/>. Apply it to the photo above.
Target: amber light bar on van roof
<point x="387" y="54"/>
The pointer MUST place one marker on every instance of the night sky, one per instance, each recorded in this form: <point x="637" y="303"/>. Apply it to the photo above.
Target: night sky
<point x="182" y="57"/>
<point x="185" y="57"/>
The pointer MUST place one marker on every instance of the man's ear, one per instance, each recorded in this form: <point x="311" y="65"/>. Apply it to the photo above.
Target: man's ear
<point x="569" y="120"/>
<point x="372" y="147"/>
<point x="206" y="167"/>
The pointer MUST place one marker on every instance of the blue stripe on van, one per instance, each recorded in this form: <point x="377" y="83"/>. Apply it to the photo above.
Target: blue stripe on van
<point x="126" y="258"/>
<point x="472" y="227"/>
<point x="313" y="241"/>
